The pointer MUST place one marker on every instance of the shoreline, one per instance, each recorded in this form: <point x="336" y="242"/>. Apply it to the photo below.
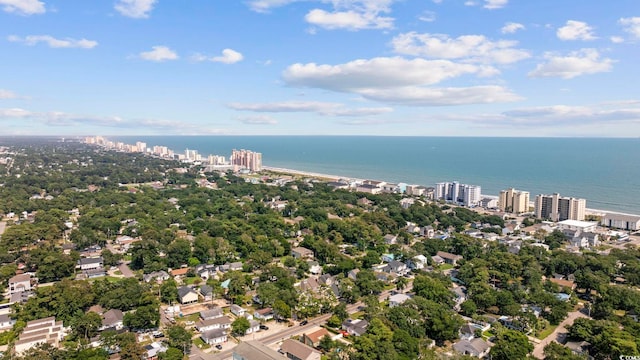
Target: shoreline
<point x="589" y="211"/>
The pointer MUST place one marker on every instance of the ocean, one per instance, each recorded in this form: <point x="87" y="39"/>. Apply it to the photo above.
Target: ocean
<point x="604" y="171"/>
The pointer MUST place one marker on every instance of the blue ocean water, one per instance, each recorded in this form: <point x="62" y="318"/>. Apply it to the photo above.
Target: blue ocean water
<point x="606" y="172"/>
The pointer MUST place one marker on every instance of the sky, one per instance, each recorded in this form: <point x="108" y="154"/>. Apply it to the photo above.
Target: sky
<point x="543" y="68"/>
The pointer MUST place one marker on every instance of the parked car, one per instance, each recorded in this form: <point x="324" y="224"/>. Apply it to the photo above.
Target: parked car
<point x="219" y="347"/>
<point x="303" y="322"/>
<point x="264" y="327"/>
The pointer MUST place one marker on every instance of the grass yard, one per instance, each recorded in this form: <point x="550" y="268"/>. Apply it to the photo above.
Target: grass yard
<point x="541" y="334"/>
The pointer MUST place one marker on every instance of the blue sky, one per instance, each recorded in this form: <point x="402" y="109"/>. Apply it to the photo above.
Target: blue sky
<point x="334" y="67"/>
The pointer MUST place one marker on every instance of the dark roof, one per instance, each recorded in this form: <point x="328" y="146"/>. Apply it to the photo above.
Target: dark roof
<point x="184" y="290"/>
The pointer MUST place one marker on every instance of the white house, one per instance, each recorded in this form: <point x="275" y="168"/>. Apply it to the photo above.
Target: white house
<point x="214" y="336"/>
<point x="90" y="263"/>
<point x="398" y="299"/>
<point x="237" y="310"/>
<point x="187" y="295"/>
<point x="19" y="283"/>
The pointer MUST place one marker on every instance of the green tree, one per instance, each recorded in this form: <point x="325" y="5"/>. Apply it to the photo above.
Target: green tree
<point x="171" y="354"/>
<point x="86" y="326"/>
<point x="179" y="337"/>
<point x="145" y="317"/>
<point x="555" y="351"/>
<point x="281" y="309"/>
<point x="509" y="345"/>
<point x="240" y="326"/>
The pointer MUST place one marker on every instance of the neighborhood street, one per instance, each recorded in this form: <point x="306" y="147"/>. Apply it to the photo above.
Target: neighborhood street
<point x="558" y="334"/>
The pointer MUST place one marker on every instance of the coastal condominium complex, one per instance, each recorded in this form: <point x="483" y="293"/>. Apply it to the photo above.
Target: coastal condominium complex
<point x="467" y="195"/>
<point x="559" y="208"/>
<point x="247" y="159"/>
<point x="514" y="201"/>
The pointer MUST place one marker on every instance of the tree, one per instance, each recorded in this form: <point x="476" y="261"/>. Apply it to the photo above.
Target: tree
<point x="509" y="345"/>
<point x="281" y="309"/>
<point x="171" y="354"/>
<point x="240" y="326"/>
<point x="86" y="326"/>
<point x="326" y="344"/>
<point x="555" y="351"/>
<point x="145" y="317"/>
<point x="179" y="338"/>
<point x="169" y="291"/>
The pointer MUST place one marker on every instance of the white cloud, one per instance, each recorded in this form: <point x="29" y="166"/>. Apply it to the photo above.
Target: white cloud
<point x="159" y="54"/>
<point x="264" y="6"/>
<point x="511" y="27"/>
<point x="353" y="15"/>
<point x="377" y="72"/>
<point x="576" y="30"/>
<point x="424" y="96"/>
<point x="350" y="20"/>
<point x="14" y="113"/>
<point x="427" y="16"/>
<point x="6" y="94"/>
<point x="320" y="108"/>
<point x="472" y="47"/>
<point x="495" y="4"/>
<point x="563" y="114"/>
<point x="631" y="25"/>
<point x="399" y="81"/>
<point x="228" y="56"/>
<point x="616" y="39"/>
<point x="257" y="120"/>
<point x="52" y="42"/>
<point x="585" y="61"/>
<point x="135" y="8"/>
<point x="23" y="7"/>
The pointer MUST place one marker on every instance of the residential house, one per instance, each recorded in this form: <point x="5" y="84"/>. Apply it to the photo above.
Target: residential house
<point x="398" y="299"/>
<point x="112" y="319"/>
<point x="406" y="203"/>
<point x="449" y="258"/>
<point x="368" y="188"/>
<point x="580" y="348"/>
<point x="207" y="292"/>
<point x="214" y="336"/>
<point x="179" y="273"/>
<point x="467" y="332"/>
<point x="437" y="260"/>
<point x="353" y="274"/>
<point x="313" y="339"/>
<point x="41" y="331"/>
<point x="314" y="267"/>
<point x="390" y="239"/>
<point x="265" y="314"/>
<point x="475" y="347"/>
<point x="159" y="276"/>
<point x="222" y="322"/>
<point x="418" y="262"/>
<point x="234" y="266"/>
<point x="428" y="232"/>
<point x="568" y="285"/>
<point x="6" y="322"/>
<point x="237" y="310"/>
<point x="295" y="350"/>
<point x="355" y="327"/>
<point x="301" y="253"/>
<point x="396" y="267"/>
<point x="154" y="349"/>
<point x="254" y="326"/>
<point x="460" y="295"/>
<point x="187" y="295"/>
<point x="212" y="313"/>
<point x="20" y="283"/>
<point x="255" y="350"/>
<point x="90" y="263"/>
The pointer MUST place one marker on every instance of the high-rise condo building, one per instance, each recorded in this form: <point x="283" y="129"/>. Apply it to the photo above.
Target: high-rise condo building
<point x="246" y="158"/>
<point x="557" y="208"/>
<point x="514" y="201"/>
<point x="467" y="195"/>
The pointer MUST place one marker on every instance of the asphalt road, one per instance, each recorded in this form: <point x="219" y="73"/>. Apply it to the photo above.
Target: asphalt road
<point x="557" y="334"/>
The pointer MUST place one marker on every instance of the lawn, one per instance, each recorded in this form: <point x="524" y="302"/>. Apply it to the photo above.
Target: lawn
<point x="541" y="334"/>
<point x="201" y="344"/>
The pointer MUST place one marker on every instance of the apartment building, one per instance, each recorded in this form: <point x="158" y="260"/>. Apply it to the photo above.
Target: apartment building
<point x="514" y="201"/>
<point x="557" y="208"/>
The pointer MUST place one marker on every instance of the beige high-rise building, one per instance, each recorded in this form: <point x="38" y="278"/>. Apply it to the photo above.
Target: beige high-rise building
<point x="514" y="201"/>
<point x="559" y="208"/>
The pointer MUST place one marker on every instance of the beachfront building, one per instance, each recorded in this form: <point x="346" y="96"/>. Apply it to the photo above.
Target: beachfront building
<point x="514" y="201"/>
<point x="463" y="194"/>
<point x="247" y="159"/>
<point x="621" y="221"/>
<point x="557" y="208"/>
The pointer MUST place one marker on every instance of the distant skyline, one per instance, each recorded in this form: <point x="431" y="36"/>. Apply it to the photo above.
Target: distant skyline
<point x="320" y="67"/>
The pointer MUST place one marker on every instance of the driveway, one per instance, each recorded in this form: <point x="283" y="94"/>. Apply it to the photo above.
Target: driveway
<point x="125" y="270"/>
<point x="558" y="334"/>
